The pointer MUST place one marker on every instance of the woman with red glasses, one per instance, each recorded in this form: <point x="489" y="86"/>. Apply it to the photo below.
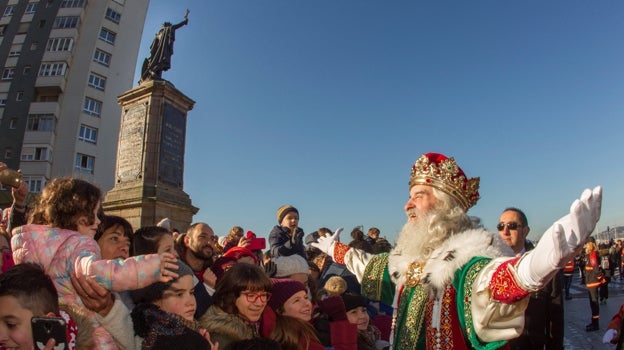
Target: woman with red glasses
<point x="239" y="300"/>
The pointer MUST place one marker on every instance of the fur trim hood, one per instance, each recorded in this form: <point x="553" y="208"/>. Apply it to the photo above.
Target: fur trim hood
<point x="231" y="326"/>
<point x="455" y="252"/>
<point x="84" y="324"/>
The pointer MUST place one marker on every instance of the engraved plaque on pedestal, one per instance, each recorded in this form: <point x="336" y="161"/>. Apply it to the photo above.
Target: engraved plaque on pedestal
<point x="131" y="138"/>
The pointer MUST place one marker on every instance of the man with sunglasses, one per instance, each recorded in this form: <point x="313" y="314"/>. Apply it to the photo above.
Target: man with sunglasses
<point x="452" y="284"/>
<point x="543" y="327"/>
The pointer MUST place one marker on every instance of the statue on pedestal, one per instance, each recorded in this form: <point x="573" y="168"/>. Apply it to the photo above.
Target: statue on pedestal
<point x="161" y="51"/>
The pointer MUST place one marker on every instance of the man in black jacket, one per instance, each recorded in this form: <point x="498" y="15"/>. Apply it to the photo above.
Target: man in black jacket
<point x="543" y="327"/>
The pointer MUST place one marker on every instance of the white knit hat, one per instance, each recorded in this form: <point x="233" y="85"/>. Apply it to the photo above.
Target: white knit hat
<point x="289" y="265"/>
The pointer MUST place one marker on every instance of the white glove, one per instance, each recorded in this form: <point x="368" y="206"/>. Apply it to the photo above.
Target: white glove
<point x="326" y="244"/>
<point x="609" y="336"/>
<point x="561" y="241"/>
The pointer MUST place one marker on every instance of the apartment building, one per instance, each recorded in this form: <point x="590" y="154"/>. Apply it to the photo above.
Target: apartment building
<point x="63" y="63"/>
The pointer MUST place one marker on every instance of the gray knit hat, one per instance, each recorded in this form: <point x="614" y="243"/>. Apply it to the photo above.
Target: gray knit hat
<point x="155" y="290"/>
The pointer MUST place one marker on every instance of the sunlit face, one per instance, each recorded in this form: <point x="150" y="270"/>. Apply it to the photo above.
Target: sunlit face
<point x="514" y="238"/>
<point x="290" y="220"/>
<point x="200" y="241"/>
<point x="82" y="223"/>
<point x="299" y="306"/>
<point x="251" y="304"/>
<point x="15" y="329"/>
<point x="358" y="316"/>
<point x="166" y="245"/>
<point x="421" y="200"/>
<point x="179" y="298"/>
<point x="114" y="244"/>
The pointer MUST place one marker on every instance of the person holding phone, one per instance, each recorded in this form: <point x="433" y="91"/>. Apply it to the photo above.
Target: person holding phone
<point x="26" y="293"/>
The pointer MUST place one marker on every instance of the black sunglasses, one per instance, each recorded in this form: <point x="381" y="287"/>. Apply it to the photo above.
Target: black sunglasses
<point x="510" y="225"/>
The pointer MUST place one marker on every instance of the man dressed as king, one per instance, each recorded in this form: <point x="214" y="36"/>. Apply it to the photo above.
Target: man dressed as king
<point x="453" y="284"/>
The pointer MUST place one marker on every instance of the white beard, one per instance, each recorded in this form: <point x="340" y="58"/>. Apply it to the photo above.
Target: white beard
<point x="414" y="243"/>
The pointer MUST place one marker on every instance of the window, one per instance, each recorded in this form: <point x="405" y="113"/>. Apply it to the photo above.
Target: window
<point x="47" y="98"/>
<point x="8" y="73"/>
<point x="31" y="7"/>
<point x="97" y="81"/>
<point x="40" y="122"/>
<point x="26" y="70"/>
<point x="60" y="44"/>
<point x="102" y="57"/>
<point x="35" y="153"/>
<point x="92" y="107"/>
<point x="13" y="123"/>
<point x="84" y="163"/>
<point x="15" y="50"/>
<point x="66" y="22"/>
<point x="8" y="153"/>
<point x="72" y="3"/>
<point x="107" y="36"/>
<point x="23" y="28"/>
<point x="113" y="15"/>
<point x="2" y="102"/>
<point x="87" y="134"/>
<point x="52" y="69"/>
<point x="35" y="184"/>
<point x="8" y="11"/>
<point x="34" y="46"/>
<point x="19" y="96"/>
<point x="2" y="29"/>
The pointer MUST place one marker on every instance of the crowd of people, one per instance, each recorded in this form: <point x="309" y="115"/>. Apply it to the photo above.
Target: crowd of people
<point x="447" y="283"/>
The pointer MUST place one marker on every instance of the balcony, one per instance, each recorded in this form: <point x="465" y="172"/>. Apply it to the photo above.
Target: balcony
<point x="55" y="84"/>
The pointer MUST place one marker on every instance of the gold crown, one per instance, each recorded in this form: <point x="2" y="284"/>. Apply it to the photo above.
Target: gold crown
<point x="436" y="170"/>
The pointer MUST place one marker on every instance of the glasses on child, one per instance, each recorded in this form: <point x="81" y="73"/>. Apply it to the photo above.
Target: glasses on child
<point x="510" y="225"/>
<point x="252" y="297"/>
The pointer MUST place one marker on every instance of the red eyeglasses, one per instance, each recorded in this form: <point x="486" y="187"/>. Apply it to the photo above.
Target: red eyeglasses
<point x="252" y="297"/>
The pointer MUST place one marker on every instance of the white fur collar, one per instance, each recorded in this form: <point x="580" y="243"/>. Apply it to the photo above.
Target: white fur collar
<point x="456" y="251"/>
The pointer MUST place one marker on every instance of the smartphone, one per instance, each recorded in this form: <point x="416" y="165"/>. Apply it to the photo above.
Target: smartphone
<point x="257" y="244"/>
<point x="44" y="328"/>
<point x="10" y="177"/>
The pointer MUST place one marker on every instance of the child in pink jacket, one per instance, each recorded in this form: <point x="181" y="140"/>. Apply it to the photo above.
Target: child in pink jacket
<point x="59" y="237"/>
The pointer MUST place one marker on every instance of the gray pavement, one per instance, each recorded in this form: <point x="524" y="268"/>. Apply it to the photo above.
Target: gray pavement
<point x="577" y="314"/>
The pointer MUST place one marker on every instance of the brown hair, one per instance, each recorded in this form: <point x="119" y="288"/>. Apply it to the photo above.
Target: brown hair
<point x="289" y="331"/>
<point x="240" y="277"/>
<point x="63" y="201"/>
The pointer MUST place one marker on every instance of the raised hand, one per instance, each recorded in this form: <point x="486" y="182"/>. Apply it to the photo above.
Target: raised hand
<point x="167" y="267"/>
<point x="326" y="244"/>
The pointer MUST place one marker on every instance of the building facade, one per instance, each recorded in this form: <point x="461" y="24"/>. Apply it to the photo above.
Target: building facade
<point x="63" y="65"/>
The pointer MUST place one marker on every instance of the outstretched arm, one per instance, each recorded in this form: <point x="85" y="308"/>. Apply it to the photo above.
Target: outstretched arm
<point x="561" y="241"/>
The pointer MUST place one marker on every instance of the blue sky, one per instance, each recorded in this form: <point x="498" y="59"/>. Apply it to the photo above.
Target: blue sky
<point x="326" y="104"/>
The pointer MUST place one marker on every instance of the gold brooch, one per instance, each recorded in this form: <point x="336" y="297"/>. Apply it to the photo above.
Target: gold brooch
<point x="414" y="273"/>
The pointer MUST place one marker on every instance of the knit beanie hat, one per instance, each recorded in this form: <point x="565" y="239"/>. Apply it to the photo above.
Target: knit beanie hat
<point x="283" y="210"/>
<point x="290" y="265"/>
<point x="283" y="289"/>
<point x="335" y="285"/>
<point x="155" y="290"/>
<point x="352" y="301"/>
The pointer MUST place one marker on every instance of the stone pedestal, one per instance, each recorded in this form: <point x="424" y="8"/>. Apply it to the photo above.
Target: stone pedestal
<point x="150" y="157"/>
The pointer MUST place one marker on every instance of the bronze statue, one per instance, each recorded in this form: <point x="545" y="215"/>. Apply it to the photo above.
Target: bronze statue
<point x="161" y="51"/>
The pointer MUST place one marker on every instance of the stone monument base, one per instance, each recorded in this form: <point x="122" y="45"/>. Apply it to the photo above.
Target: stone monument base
<point x="150" y="157"/>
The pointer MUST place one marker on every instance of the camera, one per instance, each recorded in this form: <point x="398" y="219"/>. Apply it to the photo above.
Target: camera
<point x="9" y="177"/>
